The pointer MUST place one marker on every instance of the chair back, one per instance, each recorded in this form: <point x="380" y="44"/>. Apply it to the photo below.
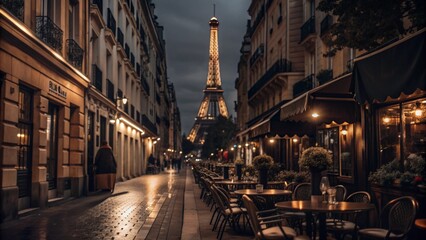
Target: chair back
<point x="302" y="192"/>
<point x="217" y="199"/>
<point x="360" y="196"/>
<point x="340" y="193"/>
<point x="400" y="213"/>
<point x="291" y="186"/>
<point x="252" y="213"/>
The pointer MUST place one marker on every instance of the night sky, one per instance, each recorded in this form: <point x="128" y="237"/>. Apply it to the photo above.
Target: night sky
<point x="186" y="31"/>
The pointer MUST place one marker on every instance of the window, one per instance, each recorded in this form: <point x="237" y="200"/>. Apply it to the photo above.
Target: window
<point x="402" y="130"/>
<point x="24" y="142"/>
<point x="329" y="139"/>
<point x="73" y="20"/>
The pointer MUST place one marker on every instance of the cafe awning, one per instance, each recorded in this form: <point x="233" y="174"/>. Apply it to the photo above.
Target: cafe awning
<point x="331" y="101"/>
<point x="391" y="72"/>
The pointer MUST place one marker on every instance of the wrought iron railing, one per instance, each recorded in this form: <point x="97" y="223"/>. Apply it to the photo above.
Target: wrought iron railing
<point x="148" y="124"/>
<point x="145" y="85"/>
<point x="111" y="21"/>
<point x="307" y="28"/>
<point x="280" y="66"/>
<point x="74" y="53"/>
<point x="326" y="24"/>
<point x="257" y="54"/>
<point x="304" y="85"/>
<point x="120" y="37"/>
<point x="110" y="90"/>
<point x="99" y="3"/>
<point x="324" y="76"/>
<point x="49" y="32"/>
<point x="97" y="77"/>
<point x="16" y="7"/>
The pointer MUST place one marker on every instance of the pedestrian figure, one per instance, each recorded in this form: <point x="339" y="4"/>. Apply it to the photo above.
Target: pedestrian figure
<point x="179" y="164"/>
<point x="106" y="168"/>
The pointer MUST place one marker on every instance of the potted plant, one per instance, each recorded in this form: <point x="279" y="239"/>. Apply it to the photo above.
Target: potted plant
<point x="238" y="166"/>
<point x="316" y="159"/>
<point x="262" y="163"/>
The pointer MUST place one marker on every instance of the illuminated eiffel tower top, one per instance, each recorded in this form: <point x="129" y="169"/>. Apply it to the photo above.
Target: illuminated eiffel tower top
<point x="213" y="102"/>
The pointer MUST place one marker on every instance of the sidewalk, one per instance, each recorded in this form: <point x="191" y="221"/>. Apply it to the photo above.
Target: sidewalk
<point x="196" y="219"/>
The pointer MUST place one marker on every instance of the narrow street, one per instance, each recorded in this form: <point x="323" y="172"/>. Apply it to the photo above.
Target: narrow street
<point x="147" y="207"/>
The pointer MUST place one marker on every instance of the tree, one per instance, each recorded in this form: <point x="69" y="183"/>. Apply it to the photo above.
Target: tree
<point x="187" y="146"/>
<point x="218" y="136"/>
<point x="367" y="24"/>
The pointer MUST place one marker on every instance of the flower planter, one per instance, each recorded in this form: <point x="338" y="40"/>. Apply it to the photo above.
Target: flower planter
<point x="263" y="177"/>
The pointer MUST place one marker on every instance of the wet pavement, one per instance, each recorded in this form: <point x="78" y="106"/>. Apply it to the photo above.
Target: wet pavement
<point x="147" y="207"/>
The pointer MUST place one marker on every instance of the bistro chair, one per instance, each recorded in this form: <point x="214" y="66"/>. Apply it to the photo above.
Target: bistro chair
<point x="347" y="223"/>
<point x="268" y="224"/>
<point x="229" y="214"/>
<point x="340" y="193"/>
<point x="396" y="220"/>
<point x="302" y="192"/>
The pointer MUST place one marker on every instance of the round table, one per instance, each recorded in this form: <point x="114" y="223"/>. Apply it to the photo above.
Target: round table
<point x="322" y="208"/>
<point x="265" y="192"/>
<point x="270" y="195"/>
<point x="421" y="223"/>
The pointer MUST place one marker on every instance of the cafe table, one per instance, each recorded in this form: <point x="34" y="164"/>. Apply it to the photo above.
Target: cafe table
<point x="239" y="184"/>
<point x="269" y="194"/>
<point x="321" y="209"/>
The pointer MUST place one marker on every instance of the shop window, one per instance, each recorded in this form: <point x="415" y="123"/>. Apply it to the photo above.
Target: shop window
<point x="329" y="139"/>
<point x="402" y="130"/>
<point x="414" y="122"/>
<point x="389" y="133"/>
<point x="52" y="145"/>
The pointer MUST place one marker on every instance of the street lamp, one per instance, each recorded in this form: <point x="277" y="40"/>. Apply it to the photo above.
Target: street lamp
<point x="122" y="99"/>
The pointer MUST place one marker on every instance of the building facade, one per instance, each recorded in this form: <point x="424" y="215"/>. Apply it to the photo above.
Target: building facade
<point x="44" y="76"/>
<point x="73" y="74"/>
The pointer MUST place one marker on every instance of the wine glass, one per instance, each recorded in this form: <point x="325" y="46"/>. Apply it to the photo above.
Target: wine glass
<point x="324" y="185"/>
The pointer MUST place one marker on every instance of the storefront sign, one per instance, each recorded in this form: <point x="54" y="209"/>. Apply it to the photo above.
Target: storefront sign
<point x="57" y="90"/>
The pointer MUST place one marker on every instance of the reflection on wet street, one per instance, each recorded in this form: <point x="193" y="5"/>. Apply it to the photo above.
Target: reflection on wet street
<point x="101" y="216"/>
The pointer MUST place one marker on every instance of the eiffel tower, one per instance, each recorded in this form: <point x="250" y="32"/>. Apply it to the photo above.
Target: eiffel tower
<point x="213" y="102"/>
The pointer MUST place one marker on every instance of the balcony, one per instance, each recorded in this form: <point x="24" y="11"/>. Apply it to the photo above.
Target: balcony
<point x="325" y="24"/>
<point x="145" y="86"/>
<point x="110" y="90"/>
<point x="307" y="29"/>
<point x="111" y="21"/>
<point x="148" y="124"/>
<point x="49" y="32"/>
<point x="324" y="76"/>
<point x="120" y="36"/>
<point x="99" y="3"/>
<point x="280" y="66"/>
<point x="15" y="7"/>
<point x="127" y="50"/>
<point x="97" y="77"/>
<point x="74" y="53"/>
<point x="304" y="85"/>
<point x="132" y="60"/>
<point x="257" y="54"/>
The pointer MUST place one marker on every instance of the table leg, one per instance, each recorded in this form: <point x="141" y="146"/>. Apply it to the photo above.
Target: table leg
<point x="309" y="224"/>
<point x="322" y="226"/>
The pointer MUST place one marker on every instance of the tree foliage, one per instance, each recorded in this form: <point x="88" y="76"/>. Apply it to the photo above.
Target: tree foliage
<point x="187" y="146"/>
<point x="367" y="24"/>
<point x="218" y="136"/>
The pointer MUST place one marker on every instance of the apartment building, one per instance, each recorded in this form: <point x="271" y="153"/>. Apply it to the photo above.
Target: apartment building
<point x="44" y="77"/>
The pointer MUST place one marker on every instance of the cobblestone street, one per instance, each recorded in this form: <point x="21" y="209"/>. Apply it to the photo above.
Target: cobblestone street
<point x="147" y="207"/>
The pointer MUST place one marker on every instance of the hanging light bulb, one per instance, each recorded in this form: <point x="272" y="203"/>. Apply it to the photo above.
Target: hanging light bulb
<point x="418" y="110"/>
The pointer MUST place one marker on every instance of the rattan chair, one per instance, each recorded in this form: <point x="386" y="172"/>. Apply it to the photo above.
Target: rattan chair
<point x="268" y="224"/>
<point x="396" y="220"/>
<point x="347" y="223"/>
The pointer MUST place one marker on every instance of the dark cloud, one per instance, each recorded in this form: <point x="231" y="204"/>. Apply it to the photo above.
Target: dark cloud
<point x="186" y="31"/>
